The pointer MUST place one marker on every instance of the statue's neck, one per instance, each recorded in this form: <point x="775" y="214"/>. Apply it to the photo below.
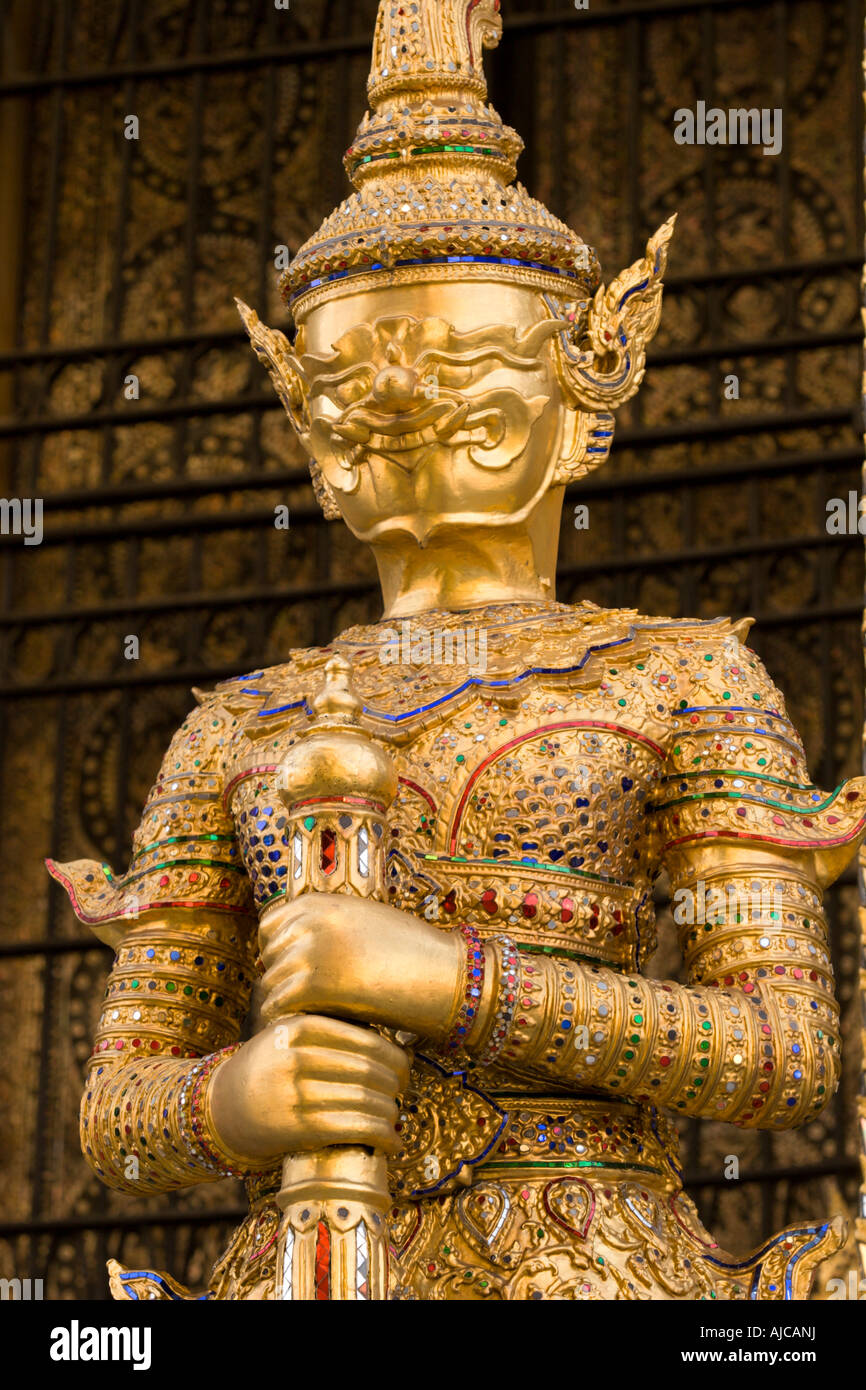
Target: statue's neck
<point x="463" y="567"/>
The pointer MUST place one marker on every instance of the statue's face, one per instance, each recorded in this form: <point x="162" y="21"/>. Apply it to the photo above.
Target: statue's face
<point x="432" y="405"/>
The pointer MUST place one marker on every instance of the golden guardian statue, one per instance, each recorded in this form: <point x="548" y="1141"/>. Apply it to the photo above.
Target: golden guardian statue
<point x="418" y="864"/>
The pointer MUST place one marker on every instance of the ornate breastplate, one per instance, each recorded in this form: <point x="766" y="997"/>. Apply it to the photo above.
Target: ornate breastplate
<point x="522" y="788"/>
<point x="531" y="823"/>
<point x="521" y="809"/>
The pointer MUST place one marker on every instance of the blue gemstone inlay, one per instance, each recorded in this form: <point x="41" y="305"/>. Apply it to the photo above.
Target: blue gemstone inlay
<point x="469" y="684"/>
<point x="436" y="260"/>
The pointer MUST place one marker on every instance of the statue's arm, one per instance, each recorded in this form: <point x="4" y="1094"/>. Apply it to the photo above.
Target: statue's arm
<point x="749" y="846"/>
<point x="184" y="931"/>
<point x="175" y="1001"/>
<point x="754" y="1040"/>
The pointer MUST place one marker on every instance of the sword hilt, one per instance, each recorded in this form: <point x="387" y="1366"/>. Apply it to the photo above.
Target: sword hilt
<point x="337" y="784"/>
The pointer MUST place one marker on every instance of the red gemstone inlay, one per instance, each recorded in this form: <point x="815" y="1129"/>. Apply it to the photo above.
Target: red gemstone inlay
<point x="328" y="851"/>
<point x="323" y="1263"/>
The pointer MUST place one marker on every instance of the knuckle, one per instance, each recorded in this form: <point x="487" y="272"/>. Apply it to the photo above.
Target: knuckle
<point x="300" y="1031"/>
<point x="271" y="1010"/>
<point x="270" y="946"/>
<point x="388" y="1141"/>
<point x="367" y="1075"/>
<point x="306" y="1093"/>
<point x="359" y="1127"/>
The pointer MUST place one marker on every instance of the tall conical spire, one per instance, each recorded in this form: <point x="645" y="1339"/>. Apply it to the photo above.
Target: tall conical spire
<point x="428" y="93"/>
<point x="434" y="166"/>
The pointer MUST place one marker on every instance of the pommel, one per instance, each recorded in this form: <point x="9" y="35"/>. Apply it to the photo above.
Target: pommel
<point x="338" y="702"/>
<point x="337" y="757"/>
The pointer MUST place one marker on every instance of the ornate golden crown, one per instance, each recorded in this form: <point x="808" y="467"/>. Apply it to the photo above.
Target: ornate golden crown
<point x="434" y="166"/>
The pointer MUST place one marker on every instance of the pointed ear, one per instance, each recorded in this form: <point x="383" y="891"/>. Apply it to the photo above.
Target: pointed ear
<point x="601" y="354"/>
<point x="586" y="445"/>
<point x="274" y="352"/>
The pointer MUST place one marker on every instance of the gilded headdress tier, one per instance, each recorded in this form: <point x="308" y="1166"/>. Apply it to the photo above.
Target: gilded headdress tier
<point x="434" y="167"/>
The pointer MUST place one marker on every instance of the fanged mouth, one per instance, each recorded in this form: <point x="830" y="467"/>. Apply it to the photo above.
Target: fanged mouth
<point x="390" y="434"/>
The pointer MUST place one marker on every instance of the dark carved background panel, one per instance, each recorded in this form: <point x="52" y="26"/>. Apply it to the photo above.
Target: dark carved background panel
<point x="159" y="511"/>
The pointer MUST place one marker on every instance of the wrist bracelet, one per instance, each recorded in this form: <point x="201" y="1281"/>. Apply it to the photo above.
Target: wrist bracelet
<point x="469" y="989"/>
<point x="506" y="999"/>
<point x="194" y="1120"/>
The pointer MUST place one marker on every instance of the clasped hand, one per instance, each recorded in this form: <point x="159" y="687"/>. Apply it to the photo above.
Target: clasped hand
<point x="359" y="959"/>
<point x="311" y="1077"/>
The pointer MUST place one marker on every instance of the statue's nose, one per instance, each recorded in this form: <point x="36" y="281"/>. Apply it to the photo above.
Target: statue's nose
<point x="395" y="387"/>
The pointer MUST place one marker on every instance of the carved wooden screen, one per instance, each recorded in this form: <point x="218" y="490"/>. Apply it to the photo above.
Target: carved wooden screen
<point x="159" y="511"/>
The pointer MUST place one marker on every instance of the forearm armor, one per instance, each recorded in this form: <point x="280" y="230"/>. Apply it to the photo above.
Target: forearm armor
<point x="184" y="929"/>
<point x="755" y="1041"/>
<point x="174" y="1004"/>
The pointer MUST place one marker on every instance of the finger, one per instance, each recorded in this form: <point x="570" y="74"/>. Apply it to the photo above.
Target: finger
<point x="293" y="997"/>
<point x="351" y="1127"/>
<point x="280" y="944"/>
<point x="349" y="1067"/>
<point x="308" y="908"/>
<point x="287" y="963"/>
<point x="330" y="1094"/>
<point x="338" y="1099"/>
<point x="283" y="911"/>
<point x="388" y="1055"/>
<point x="315" y="1030"/>
<point x="276" y="920"/>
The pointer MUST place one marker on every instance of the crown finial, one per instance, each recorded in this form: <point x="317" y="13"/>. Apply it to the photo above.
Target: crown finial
<point x="421" y="44"/>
